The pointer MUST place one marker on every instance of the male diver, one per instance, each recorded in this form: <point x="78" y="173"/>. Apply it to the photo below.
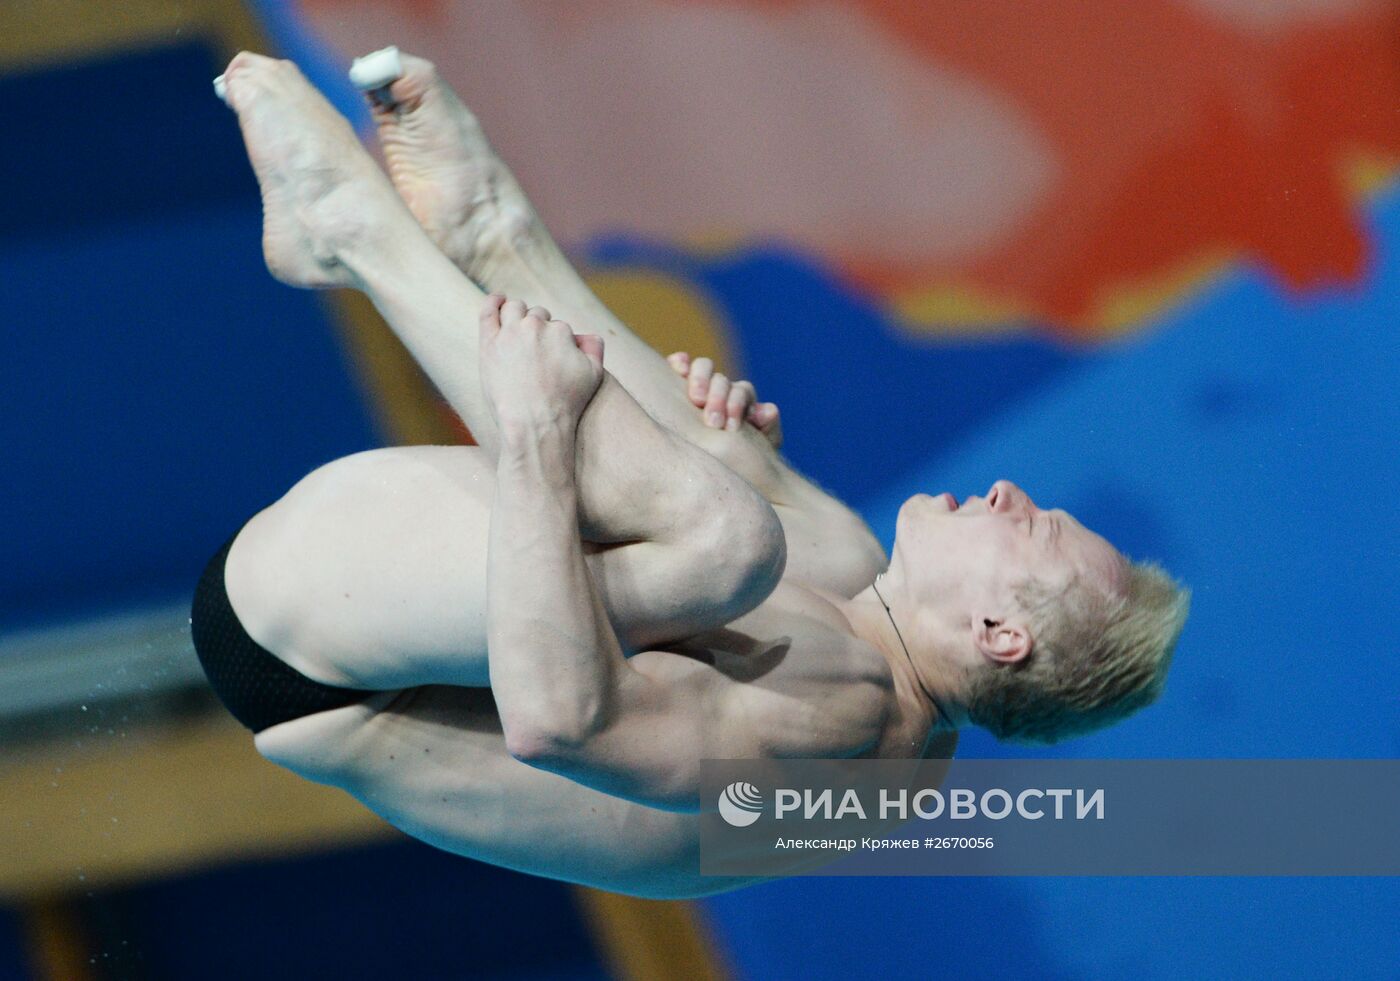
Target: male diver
<point x="521" y="651"/>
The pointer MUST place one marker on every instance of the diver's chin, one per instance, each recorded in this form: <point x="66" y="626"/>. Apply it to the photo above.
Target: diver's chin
<point x="908" y="509"/>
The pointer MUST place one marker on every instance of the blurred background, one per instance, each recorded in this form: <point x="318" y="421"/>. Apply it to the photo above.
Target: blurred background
<point x="1142" y="258"/>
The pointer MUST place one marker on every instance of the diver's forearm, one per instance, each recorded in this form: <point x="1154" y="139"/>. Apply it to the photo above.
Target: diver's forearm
<point x="553" y="655"/>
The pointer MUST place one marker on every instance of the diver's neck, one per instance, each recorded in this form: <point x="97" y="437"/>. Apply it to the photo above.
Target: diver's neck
<point x="869" y="622"/>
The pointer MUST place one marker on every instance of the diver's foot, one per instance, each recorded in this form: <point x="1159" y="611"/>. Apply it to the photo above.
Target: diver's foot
<point x="451" y="179"/>
<point x="322" y="194"/>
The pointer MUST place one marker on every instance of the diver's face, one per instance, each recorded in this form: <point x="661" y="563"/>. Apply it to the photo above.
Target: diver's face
<point x="969" y="557"/>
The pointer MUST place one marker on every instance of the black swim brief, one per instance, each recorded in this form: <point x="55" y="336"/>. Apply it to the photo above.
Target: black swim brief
<point x="258" y="688"/>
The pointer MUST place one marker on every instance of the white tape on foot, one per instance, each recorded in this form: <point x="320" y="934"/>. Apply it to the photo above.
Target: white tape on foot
<point x="377" y="69"/>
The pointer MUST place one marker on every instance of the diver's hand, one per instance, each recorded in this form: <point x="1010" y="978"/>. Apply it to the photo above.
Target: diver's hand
<point x="725" y="404"/>
<point x="534" y="369"/>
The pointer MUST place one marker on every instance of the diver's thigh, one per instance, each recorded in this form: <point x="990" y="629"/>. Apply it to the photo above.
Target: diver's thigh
<point x="371" y="571"/>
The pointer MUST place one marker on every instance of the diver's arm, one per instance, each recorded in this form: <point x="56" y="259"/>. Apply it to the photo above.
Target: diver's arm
<point x="569" y="702"/>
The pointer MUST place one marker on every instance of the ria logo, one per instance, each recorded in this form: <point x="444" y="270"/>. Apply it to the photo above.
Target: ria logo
<point x="740" y="804"/>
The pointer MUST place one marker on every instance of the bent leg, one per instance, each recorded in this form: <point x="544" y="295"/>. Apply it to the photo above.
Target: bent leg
<point x="332" y="219"/>
<point x="471" y="205"/>
<point x="371" y="572"/>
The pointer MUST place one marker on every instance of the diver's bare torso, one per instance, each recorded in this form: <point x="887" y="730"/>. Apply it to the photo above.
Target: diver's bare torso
<point x="794" y="648"/>
<point x="431" y="760"/>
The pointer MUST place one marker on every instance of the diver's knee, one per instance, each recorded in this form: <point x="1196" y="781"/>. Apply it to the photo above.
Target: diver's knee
<point x="747" y="552"/>
<point x="763" y="550"/>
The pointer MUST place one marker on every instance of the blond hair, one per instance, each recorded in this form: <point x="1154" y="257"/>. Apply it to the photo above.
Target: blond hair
<point x="1097" y="658"/>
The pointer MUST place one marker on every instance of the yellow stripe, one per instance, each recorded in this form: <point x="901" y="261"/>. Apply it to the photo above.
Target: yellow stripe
<point x="1128" y="305"/>
<point x="667" y="312"/>
<point x="1368" y="174"/>
<point x="156" y="800"/>
<point x="36" y="33"/>
<point x="408" y="410"/>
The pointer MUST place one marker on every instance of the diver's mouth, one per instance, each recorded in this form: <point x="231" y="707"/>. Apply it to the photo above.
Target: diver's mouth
<point x="950" y="500"/>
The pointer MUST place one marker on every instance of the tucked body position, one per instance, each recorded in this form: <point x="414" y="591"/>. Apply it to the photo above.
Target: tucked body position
<point x="522" y="650"/>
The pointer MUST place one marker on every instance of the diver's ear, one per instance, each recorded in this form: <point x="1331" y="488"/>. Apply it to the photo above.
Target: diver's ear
<point x="1001" y="640"/>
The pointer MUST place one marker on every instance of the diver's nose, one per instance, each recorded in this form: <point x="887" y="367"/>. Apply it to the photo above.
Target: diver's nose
<point x="1006" y="496"/>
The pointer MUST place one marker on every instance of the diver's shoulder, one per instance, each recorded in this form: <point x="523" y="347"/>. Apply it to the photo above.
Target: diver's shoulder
<point x="796" y="600"/>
